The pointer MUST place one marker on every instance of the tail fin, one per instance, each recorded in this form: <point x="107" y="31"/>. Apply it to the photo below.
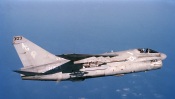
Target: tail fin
<point x="31" y="54"/>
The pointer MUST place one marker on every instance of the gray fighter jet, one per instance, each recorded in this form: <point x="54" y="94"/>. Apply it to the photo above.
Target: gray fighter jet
<point x="39" y="64"/>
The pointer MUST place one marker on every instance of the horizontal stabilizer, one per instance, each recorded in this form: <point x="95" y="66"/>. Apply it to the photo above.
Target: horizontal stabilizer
<point x="26" y="73"/>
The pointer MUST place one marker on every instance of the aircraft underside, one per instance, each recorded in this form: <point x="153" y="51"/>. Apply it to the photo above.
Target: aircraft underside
<point x="99" y="71"/>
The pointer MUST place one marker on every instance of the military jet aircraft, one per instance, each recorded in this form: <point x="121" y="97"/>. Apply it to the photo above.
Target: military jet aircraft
<point x="39" y="64"/>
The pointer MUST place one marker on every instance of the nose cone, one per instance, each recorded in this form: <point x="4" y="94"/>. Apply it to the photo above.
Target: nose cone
<point x="163" y="56"/>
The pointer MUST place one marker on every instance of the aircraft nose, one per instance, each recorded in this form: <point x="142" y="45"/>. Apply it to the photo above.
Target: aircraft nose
<point x="163" y="56"/>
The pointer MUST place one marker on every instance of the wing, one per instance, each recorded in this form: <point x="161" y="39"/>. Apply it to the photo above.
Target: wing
<point x="76" y="57"/>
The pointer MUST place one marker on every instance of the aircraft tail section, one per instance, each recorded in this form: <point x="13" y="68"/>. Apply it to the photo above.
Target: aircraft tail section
<point x="26" y="73"/>
<point x="32" y="55"/>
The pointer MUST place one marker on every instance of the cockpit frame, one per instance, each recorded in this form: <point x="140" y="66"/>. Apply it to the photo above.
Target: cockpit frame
<point x="146" y="50"/>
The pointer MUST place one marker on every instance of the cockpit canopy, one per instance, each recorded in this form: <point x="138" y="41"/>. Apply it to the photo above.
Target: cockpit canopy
<point x="146" y="50"/>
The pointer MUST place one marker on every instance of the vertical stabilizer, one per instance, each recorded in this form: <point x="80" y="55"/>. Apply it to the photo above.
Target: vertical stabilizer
<point x="31" y="54"/>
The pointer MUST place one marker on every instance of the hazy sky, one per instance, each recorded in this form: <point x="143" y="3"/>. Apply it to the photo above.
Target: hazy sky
<point x="89" y="26"/>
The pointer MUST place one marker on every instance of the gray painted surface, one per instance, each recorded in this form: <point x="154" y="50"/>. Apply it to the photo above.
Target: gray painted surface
<point x="39" y="64"/>
<point x="89" y="27"/>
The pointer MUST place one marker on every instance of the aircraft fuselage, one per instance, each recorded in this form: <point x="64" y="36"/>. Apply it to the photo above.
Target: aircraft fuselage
<point x="125" y="62"/>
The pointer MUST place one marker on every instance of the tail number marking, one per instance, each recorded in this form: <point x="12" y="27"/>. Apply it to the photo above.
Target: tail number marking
<point x="18" y="38"/>
<point x="25" y="47"/>
<point x="33" y="54"/>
